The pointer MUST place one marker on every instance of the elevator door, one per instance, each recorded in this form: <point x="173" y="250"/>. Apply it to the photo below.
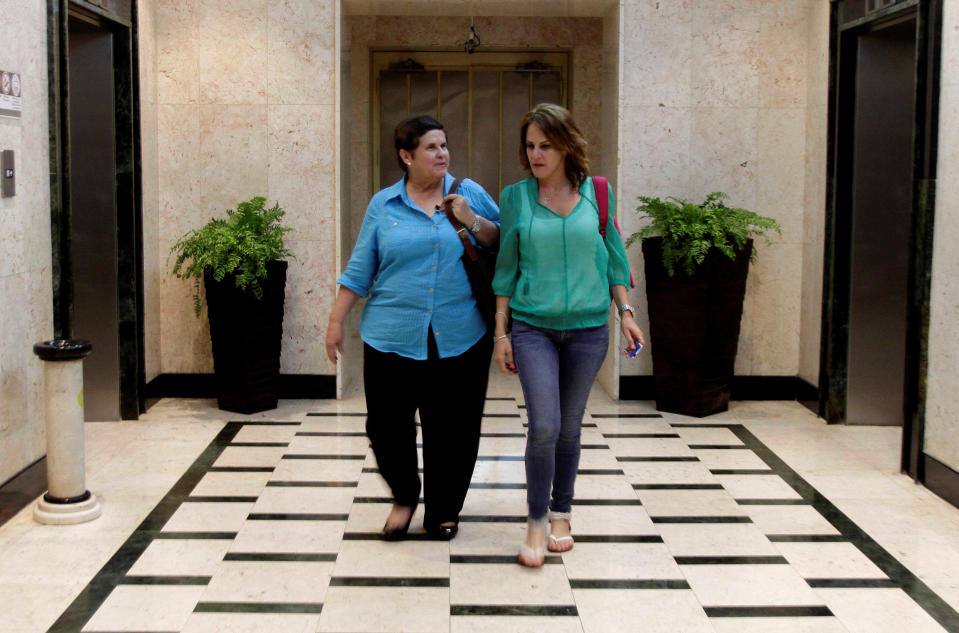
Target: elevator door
<point x="92" y="157"/>
<point x="480" y="99"/>
<point x="881" y="196"/>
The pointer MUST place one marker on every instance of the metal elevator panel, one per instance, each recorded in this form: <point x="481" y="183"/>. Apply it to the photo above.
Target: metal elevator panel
<point x="93" y="210"/>
<point x="882" y="210"/>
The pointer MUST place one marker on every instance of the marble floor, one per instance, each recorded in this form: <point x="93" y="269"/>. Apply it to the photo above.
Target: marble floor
<point x="761" y="519"/>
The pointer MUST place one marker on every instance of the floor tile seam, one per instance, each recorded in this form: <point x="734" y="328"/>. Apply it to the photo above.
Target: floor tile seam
<point x="910" y="583"/>
<point x="91" y="597"/>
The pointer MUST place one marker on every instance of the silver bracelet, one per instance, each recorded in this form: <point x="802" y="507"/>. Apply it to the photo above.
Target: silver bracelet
<point x="496" y="339"/>
<point x="503" y="313"/>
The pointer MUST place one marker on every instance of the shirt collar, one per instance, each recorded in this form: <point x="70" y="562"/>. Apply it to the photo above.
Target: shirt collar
<point x="398" y="189"/>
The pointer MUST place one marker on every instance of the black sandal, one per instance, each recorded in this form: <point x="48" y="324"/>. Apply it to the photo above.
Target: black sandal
<point x="443" y="532"/>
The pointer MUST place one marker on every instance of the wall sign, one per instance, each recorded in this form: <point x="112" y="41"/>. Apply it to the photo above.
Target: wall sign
<point x="10" y="103"/>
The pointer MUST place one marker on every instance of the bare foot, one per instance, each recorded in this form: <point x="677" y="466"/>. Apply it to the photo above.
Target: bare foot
<point x="532" y="553"/>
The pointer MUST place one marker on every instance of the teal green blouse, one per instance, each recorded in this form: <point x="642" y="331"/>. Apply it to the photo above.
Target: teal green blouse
<point x="557" y="270"/>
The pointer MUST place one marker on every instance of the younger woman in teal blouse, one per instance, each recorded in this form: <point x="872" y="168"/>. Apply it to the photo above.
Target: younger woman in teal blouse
<point x="555" y="273"/>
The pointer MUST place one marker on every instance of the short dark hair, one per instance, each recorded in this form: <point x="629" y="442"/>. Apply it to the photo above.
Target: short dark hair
<point x="407" y="134"/>
<point x="559" y="127"/>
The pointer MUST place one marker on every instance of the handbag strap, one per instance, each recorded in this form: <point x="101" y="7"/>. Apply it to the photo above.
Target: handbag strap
<point x="461" y="230"/>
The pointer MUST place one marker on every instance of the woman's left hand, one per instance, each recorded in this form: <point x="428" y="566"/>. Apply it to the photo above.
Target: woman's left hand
<point x="631" y="331"/>
<point x="460" y="208"/>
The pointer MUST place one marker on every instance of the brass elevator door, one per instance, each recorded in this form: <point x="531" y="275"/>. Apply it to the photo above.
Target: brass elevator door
<point x="479" y="98"/>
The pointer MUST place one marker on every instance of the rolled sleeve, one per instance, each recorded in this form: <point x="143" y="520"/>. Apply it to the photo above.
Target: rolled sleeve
<point x="481" y="202"/>
<point x="361" y="269"/>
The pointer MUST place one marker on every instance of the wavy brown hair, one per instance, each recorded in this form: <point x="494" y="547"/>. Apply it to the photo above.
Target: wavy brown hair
<point x="559" y="127"/>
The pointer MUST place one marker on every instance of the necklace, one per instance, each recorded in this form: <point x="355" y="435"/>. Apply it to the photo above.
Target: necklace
<point x="549" y="198"/>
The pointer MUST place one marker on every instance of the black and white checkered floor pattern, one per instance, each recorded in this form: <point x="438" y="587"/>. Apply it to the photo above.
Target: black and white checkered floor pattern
<point x="680" y="526"/>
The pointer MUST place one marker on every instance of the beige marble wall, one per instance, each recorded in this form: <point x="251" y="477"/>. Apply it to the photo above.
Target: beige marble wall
<point x="714" y="97"/>
<point x="245" y="107"/>
<point x="607" y="163"/>
<point x="710" y="96"/>
<point x="153" y="261"/>
<point x="942" y="409"/>
<point x="817" y="122"/>
<point x="25" y="250"/>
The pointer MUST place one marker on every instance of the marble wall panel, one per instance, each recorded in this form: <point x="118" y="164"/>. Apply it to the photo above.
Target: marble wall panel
<point x="725" y="53"/>
<point x="153" y="260"/>
<point x="780" y="170"/>
<point x="769" y="336"/>
<point x="657" y="53"/>
<point x="782" y="63"/>
<point x="25" y="247"/>
<point x="941" y="439"/>
<point x="232" y="51"/>
<point x="309" y="298"/>
<point x="301" y="68"/>
<point x="817" y="94"/>
<point x="234" y="155"/>
<point x="302" y="157"/>
<point x="724" y="88"/>
<point x="607" y="162"/>
<point x="724" y="151"/>
<point x="178" y="171"/>
<point x="177" y="46"/>
<point x="12" y="255"/>
<point x="185" y="338"/>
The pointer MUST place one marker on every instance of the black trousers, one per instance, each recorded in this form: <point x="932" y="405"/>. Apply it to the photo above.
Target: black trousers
<point x="450" y="394"/>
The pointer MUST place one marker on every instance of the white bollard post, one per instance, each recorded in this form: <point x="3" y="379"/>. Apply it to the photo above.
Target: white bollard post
<point x="67" y="499"/>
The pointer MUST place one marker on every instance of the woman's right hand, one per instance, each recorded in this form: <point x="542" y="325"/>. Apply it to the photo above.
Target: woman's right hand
<point x="503" y="354"/>
<point x="334" y="340"/>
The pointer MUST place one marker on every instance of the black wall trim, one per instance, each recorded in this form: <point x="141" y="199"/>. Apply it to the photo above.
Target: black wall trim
<point x="23" y="488"/>
<point x="743" y="388"/>
<point x="941" y="479"/>
<point x="292" y="386"/>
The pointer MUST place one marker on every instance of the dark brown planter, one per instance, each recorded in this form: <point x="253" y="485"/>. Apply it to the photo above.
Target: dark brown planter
<point x="247" y="336"/>
<point x="694" y="329"/>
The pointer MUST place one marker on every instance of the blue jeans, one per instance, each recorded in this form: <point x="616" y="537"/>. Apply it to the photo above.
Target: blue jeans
<point x="556" y="370"/>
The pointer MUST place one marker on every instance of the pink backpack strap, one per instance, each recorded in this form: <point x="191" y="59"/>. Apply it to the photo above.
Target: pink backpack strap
<point x="601" y="189"/>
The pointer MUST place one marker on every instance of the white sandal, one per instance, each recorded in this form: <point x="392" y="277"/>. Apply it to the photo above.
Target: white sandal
<point x="560" y="543"/>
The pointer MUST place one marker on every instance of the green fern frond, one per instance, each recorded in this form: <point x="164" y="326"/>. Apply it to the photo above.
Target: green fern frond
<point x="241" y="245"/>
<point x="691" y="230"/>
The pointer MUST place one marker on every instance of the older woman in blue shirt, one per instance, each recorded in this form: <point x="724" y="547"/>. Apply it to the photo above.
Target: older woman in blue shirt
<point x="425" y="346"/>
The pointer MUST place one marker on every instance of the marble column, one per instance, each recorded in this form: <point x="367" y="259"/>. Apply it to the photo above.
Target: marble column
<point x="67" y="500"/>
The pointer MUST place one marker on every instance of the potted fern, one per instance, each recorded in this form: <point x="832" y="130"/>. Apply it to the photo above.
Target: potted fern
<point x="240" y="261"/>
<point x="696" y="261"/>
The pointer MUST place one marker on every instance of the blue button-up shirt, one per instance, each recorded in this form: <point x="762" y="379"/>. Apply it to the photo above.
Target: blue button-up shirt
<point x="408" y="264"/>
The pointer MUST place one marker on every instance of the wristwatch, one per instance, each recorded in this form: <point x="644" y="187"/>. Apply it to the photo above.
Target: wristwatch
<point x="624" y="308"/>
<point x="476" y="224"/>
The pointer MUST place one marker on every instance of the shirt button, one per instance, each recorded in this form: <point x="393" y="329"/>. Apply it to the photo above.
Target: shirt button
<point x="431" y="290"/>
<point x="430" y="312"/>
<point x="435" y="333"/>
<point x="395" y="223"/>
<point x="434" y="267"/>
